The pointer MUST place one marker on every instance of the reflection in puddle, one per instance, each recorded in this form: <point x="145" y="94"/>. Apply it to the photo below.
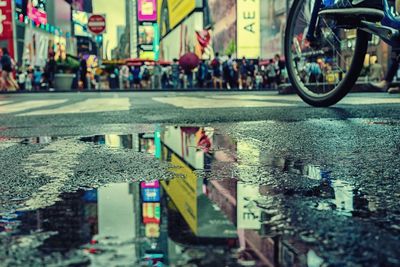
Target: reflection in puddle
<point x="39" y="140"/>
<point x="196" y="219"/>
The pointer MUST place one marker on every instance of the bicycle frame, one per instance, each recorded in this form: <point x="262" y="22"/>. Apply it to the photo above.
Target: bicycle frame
<point x="388" y="30"/>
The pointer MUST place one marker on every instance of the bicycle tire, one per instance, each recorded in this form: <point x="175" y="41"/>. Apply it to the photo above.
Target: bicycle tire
<point x="348" y="81"/>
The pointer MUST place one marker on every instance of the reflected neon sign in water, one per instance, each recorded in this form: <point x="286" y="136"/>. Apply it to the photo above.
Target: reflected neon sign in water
<point x="151" y="213"/>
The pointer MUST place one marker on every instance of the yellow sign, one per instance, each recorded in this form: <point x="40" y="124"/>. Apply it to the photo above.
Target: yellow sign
<point x="248" y="29"/>
<point x="183" y="191"/>
<point x="146" y="55"/>
<point x="152" y="230"/>
<point x="172" y="12"/>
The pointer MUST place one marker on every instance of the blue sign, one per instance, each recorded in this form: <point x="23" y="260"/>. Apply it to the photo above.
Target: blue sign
<point x="90" y="196"/>
<point x="151" y="194"/>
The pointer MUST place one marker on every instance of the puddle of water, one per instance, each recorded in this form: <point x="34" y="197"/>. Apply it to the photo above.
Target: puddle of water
<point x="212" y="214"/>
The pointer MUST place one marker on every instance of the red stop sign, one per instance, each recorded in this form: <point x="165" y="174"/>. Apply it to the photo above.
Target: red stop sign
<point x="97" y="24"/>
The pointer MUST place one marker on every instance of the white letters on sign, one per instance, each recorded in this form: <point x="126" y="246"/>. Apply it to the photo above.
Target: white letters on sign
<point x="248" y="27"/>
<point x="3" y="3"/>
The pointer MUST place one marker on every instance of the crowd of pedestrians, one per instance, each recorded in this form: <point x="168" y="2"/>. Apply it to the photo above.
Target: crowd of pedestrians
<point x="28" y="78"/>
<point x="218" y="73"/>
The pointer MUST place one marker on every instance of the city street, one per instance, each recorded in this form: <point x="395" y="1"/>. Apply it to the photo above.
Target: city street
<point x="168" y="133"/>
<point x="298" y="186"/>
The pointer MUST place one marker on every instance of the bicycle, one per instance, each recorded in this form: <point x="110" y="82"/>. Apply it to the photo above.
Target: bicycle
<point x="325" y="47"/>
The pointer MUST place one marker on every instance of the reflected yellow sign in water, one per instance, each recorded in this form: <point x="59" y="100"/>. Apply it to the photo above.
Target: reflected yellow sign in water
<point x="183" y="191"/>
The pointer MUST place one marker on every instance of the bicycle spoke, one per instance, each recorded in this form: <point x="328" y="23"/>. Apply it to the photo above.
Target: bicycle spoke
<point x="322" y="65"/>
<point x="327" y="54"/>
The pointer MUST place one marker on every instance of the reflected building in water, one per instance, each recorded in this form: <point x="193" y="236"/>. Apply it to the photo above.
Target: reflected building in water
<point x="210" y="214"/>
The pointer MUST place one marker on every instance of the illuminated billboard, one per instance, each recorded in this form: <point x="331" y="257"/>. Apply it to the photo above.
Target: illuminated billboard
<point x="6" y="26"/>
<point x="147" y="55"/>
<point x="149" y="46"/>
<point x="82" y="5"/>
<point x="248" y="29"/>
<point x="21" y="8"/>
<point x="80" y="21"/>
<point x="222" y="19"/>
<point x="147" y="10"/>
<point x="273" y="24"/>
<point x="146" y="34"/>
<point x="36" y="47"/>
<point x="37" y="11"/>
<point x="172" y="12"/>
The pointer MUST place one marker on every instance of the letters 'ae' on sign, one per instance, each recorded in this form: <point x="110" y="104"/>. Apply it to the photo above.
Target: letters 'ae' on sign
<point x="97" y="24"/>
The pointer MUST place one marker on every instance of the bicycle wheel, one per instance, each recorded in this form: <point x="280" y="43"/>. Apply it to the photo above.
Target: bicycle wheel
<point x="324" y="70"/>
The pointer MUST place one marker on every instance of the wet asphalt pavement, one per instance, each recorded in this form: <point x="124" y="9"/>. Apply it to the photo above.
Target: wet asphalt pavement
<point x="199" y="179"/>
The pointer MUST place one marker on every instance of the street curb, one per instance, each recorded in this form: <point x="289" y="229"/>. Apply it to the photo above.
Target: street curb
<point x="285" y="89"/>
<point x="361" y="87"/>
<point x="138" y="91"/>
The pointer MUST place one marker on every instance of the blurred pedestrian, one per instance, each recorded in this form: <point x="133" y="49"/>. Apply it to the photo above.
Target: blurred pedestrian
<point x="259" y="80"/>
<point x="182" y="79"/>
<point x="51" y="69"/>
<point x="175" y="74"/>
<point x="113" y="78"/>
<point x="29" y="79"/>
<point x="136" y="77"/>
<point x="97" y="78"/>
<point x="22" y="77"/>
<point x="251" y="74"/>
<point x="314" y="72"/>
<point x="226" y="74"/>
<point x="157" y="75"/>
<point x="146" y="77"/>
<point x="189" y="78"/>
<point x="37" y="78"/>
<point x="83" y="72"/>
<point x="217" y="72"/>
<point x="202" y="74"/>
<point x="375" y="71"/>
<point x="243" y="74"/>
<point x="7" y="64"/>
<point x="271" y="74"/>
<point x="280" y="67"/>
<point x="124" y="73"/>
<point x="235" y="74"/>
<point x="165" y="77"/>
<point x="119" y="78"/>
<point x="231" y="75"/>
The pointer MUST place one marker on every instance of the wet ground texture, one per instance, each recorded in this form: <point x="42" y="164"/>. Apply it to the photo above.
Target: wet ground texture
<point x="318" y="192"/>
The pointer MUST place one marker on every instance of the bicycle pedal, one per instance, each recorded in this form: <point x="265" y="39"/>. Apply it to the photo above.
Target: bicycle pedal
<point x="387" y="34"/>
<point x="370" y="14"/>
